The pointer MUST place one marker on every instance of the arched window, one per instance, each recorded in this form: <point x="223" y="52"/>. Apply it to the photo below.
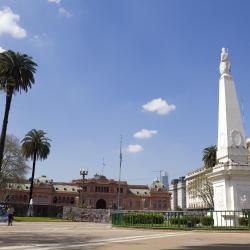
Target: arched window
<point x="55" y="199"/>
<point x="25" y="198"/>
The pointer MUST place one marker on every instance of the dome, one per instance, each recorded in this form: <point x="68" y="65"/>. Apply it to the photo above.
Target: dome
<point x="43" y="179"/>
<point x="157" y="185"/>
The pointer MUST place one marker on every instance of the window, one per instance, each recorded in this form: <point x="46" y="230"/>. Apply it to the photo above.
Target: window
<point x="130" y="203"/>
<point x="159" y="204"/>
<point x="100" y="189"/>
<point x="146" y="203"/>
<point x="121" y="190"/>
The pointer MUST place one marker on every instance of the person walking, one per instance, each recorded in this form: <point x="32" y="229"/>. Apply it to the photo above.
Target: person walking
<point x="10" y="212"/>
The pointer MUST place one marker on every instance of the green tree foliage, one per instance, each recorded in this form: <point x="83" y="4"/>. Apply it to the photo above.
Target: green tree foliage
<point x="35" y="146"/>
<point x="16" y="75"/>
<point x="14" y="167"/>
<point x="209" y="156"/>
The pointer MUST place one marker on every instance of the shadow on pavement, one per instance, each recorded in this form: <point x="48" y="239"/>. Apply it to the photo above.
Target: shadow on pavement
<point x="216" y="247"/>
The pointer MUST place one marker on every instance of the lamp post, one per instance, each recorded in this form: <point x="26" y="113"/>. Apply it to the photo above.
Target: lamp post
<point x="83" y="172"/>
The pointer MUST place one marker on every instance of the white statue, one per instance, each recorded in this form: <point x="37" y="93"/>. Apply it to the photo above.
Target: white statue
<point x="225" y="65"/>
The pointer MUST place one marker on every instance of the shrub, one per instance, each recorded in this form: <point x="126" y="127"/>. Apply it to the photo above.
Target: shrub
<point x="243" y="221"/>
<point x="207" y="221"/>
<point x="184" y="220"/>
<point x="143" y="218"/>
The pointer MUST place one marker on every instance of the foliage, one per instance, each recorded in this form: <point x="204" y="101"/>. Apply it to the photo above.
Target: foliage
<point x="207" y="221"/>
<point x="243" y="221"/>
<point x="36" y="142"/>
<point x="143" y="218"/>
<point x="14" y="165"/>
<point x="35" y="145"/>
<point x="16" y="71"/>
<point x="209" y="156"/>
<point x="184" y="220"/>
<point x="201" y="187"/>
<point x="16" y="74"/>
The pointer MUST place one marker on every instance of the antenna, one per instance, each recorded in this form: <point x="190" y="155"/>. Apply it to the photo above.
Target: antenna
<point x="159" y="171"/>
<point x="120" y="168"/>
<point x="103" y="165"/>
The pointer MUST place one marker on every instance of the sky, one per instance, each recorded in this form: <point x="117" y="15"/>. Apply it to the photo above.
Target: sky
<point x="147" y="70"/>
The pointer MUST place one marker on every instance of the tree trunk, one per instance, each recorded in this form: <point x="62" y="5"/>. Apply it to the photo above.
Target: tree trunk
<point x="32" y="177"/>
<point x="4" y="126"/>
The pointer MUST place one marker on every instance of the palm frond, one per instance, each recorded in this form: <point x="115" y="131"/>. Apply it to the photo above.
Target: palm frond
<point x="36" y="141"/>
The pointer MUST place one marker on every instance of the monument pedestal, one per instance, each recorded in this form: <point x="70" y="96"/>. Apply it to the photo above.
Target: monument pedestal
<point x="231" y="184"/>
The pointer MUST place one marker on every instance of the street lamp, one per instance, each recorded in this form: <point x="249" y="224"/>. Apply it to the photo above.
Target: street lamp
<point x="83" y="172"/>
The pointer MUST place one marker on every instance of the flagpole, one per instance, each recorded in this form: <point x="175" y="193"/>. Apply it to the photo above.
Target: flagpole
<point x="119" y="184"/>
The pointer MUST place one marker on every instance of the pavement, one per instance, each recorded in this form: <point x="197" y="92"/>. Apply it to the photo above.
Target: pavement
<point x="80" y="235"/>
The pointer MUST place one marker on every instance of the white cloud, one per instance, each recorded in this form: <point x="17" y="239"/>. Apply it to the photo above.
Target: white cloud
<point x="159" y="106"/>
<point x="145" y="133"/>
<point x="2" y="50"/>
<point x="9" y="24"/>
<point x="64" y="12"/>
<point x="134" y="148"/>
<point x="54" y="1"/>
<point x="42" y="40"/>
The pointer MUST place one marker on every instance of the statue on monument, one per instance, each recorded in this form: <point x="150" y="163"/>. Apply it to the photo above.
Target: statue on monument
<point x="225" y="65"/>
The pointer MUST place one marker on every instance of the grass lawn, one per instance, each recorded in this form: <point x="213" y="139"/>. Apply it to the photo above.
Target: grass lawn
<point x="38" y="219"/>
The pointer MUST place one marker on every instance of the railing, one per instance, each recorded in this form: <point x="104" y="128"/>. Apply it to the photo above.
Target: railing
<point x="183" y="219"/>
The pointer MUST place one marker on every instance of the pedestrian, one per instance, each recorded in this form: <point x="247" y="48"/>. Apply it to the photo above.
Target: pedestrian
<point x="10" y="212"/>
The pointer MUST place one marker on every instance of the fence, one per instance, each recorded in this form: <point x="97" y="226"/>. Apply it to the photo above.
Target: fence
<point x="184" y="219"/>
<point x="37" y="210"/>
<point x="87" y="215"/>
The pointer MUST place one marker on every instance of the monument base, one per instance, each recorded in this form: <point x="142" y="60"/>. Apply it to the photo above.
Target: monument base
<point x="231" y="185"/>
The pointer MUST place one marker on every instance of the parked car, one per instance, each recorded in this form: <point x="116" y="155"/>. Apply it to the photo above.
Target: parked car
<point x="3" y="213"/>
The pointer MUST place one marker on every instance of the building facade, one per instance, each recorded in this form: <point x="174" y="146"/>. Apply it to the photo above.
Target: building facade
<point x="98" y="192"/>
<point x="164" y="180"/>
<point x="178" y="193"/>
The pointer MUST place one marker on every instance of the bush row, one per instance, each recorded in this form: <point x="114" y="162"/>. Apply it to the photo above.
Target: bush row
<point x="192" y="220"/>
<point x="143" y="218"/>
<point x="158" y="218"/>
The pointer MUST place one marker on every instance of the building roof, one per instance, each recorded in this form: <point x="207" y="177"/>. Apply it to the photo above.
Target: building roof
<point x="65" y="188"/>
<point x="139" y="192"/>
<point x="157" y="185"/>
<point x="19" y="186"/>
<point x="197" y="172"/>
<point x="43" y="179"/>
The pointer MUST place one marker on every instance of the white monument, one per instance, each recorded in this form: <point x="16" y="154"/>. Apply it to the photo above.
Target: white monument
<point x="231" y="175"/>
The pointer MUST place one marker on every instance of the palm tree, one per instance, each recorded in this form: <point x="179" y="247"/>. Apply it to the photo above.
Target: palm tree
<point x="35" y="146"/>
<point x="16" y="75"/>
<point x="209" y="156"/>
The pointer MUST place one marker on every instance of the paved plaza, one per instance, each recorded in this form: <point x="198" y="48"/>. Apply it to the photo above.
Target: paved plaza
<point x="67" y="235"/>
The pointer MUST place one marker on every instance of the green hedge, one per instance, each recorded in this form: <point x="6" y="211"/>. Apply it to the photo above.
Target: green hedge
<point x="142" y="218"/>
<point x="207" y="221"/>
<point x="184" y="220"/>
<point x="243" y="221"/>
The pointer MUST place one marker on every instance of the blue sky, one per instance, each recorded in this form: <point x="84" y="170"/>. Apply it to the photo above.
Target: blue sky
<point x="100" y="62"/>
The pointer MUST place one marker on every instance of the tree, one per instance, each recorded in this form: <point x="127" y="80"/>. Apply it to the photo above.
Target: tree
<point x="14" y="167"/>
<point x="35" y="146"/>
<point x="201" y="187"/>
<point x="209" y="156"/>
<point x="16" y="75"/>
